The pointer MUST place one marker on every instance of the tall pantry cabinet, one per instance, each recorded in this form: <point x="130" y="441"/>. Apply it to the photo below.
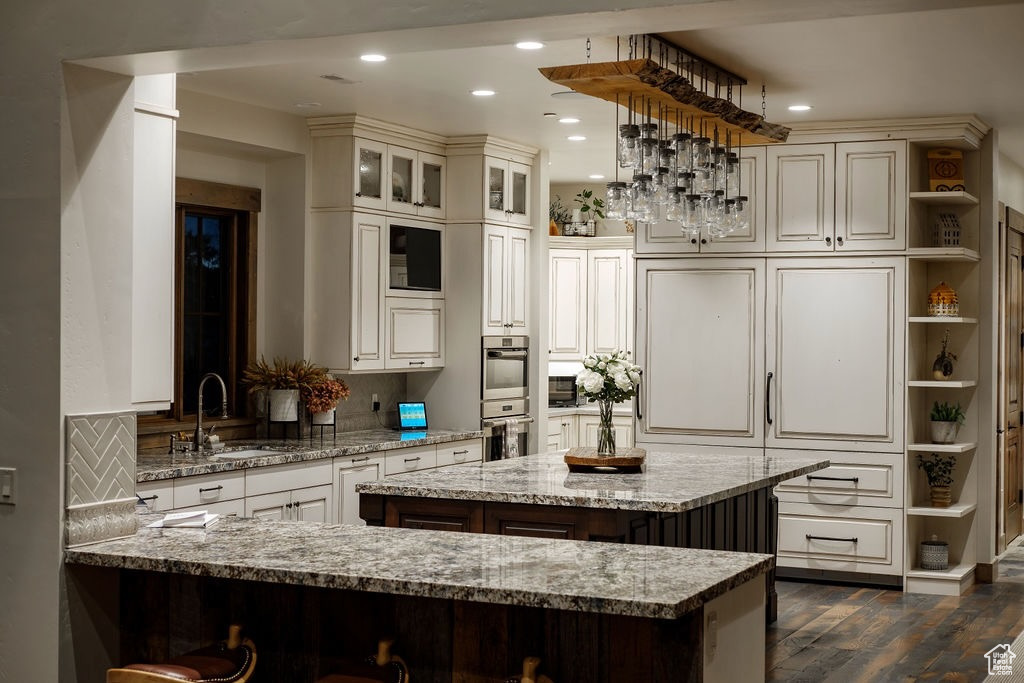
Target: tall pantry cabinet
<point x="819" y="344"/>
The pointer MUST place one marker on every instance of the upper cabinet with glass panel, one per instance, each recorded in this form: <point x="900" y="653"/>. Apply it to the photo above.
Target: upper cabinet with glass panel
<point x="507" y="191"/>
<point x="355" y="166"/>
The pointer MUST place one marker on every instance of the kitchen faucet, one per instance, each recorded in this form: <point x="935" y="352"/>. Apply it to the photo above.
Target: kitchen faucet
<point x="199" y="439"/>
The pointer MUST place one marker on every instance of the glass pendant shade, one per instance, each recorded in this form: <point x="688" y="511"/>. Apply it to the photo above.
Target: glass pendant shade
<point x="615" y="201"/>
<point x="627" y="145"/>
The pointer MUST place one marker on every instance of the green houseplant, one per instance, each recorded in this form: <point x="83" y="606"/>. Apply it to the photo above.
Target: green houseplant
<point x="946" y="420"/>
<point x="938" y="469"/>
<point x="589" y="204"/>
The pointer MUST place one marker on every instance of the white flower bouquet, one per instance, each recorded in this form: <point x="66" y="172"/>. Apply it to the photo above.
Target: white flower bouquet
<point x="608" y="377"/>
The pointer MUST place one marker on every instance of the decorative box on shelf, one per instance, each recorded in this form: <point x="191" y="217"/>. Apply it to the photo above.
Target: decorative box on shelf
<point x="943" y="301"/>
<point x="945" y="170"/>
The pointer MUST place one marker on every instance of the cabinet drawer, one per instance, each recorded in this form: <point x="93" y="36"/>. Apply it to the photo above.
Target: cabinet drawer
<point x="873" y="479"/>
<point x="842" y="538"/>
<point x="158" y="495"/>
<point x="208" y="488"/>
<point x="459" y="451"/>
<point x="297" y="475"/>
<point x="225" y="508"/>
<point x="362" y="460"/>
<point x="410" y="460"/>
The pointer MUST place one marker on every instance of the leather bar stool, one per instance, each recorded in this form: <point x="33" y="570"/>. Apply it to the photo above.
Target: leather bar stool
<point x="382" y="668"/>
<point x="230" y="661"/>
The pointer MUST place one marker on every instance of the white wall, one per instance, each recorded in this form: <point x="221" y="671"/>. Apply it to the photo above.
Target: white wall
<point x="1011" y="183"/>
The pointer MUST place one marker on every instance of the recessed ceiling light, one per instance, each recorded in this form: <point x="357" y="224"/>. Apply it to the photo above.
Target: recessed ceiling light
<point x="307" y="105"/>
<point x="482" y="93"/>
<point x="799" y="107"/>
<point x="550" y="114"/>
<point x="596" y="176"/>
<point x="568" y="119"/>
<point x="529" y="45"/>
<point x="373" y="58"/>
<point x="577" y="138"/>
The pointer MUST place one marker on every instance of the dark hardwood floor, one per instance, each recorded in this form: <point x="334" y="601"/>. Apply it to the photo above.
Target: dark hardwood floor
<point x="853" y="634"/>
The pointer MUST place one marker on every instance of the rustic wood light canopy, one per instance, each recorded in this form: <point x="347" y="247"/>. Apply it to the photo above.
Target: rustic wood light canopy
<point x="651" y="84"/>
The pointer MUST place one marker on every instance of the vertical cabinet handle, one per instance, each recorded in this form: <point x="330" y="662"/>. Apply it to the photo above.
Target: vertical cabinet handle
<point x="639" y="414"/>
<point x="767" y="398"/>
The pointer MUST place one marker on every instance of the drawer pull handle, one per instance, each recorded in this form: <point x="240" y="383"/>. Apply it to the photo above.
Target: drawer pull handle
<point x="362" y="459"/>
<point x="416" y="459"/>
<point x="417" y="362"/>
<point x="143" y="500"/>
<point x="815" y="476"/>
<point x="460" y="452"/>
<point x="831" y="538"/>
<point x="218" y="487"/>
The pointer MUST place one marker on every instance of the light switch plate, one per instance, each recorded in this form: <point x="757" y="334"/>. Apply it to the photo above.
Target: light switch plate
<point x="8" y="487"/>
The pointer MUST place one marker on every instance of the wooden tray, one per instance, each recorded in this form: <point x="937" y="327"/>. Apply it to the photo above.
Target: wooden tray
<point x="586" y="459"/>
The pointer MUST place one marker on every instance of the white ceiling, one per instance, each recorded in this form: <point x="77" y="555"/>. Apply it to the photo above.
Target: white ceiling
<point x="948" y="61"/>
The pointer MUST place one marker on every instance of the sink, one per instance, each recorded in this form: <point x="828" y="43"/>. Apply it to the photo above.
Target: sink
<point x="248" y="453"/>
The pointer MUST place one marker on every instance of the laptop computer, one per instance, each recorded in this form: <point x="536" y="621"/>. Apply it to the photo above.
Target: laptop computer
<point x="412" y="416"/>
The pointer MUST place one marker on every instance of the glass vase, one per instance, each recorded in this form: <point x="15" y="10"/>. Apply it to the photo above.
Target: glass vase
<point x="605" y="431"/>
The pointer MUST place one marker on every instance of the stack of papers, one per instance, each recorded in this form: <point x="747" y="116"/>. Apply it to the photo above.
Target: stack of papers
<point x="197" y="519"/>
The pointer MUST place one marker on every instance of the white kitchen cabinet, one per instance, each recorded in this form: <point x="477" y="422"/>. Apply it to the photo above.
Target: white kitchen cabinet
<point x="800" y="198"/>
<point x="311" y="504"/>
<point x="417" y="182"/>
<point x="157" y="495"/>
<point x="349" y="471"/>
<point x="788" y="353"/>
<point x="414" y="334"/>
<point x="410" y="459"/>
<point x="622" y="425"/>
<point x="506" y="280"/>
<point x="207" y="489"/>
<point x="871" y="196"/>
<point x="563" y="432"/>
<point x="459" y="452"/>
<point x="591" y="297"/>
<point x="665" y="237"/>
<point x="346" y="309"/>
<point x="867" y="540"/>
<point x="506" y="191"/>
<point x="370" y="172"/>
<point x="700" y="341"/>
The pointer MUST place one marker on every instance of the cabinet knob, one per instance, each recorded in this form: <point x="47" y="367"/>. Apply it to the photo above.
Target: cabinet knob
<point x="693" y="240"/>
<point x="355" y="358"/>
<point x="839" y="241"/>
<point x="828" y="241"/>
<point x="703" y="240"/>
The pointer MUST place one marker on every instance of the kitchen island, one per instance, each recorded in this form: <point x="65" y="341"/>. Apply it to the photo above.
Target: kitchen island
<point x="719" y="502"/>
<point x="466" y="607"/>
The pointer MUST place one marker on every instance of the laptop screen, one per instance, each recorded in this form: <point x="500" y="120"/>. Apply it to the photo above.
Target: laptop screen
<point x="412" y="415"/>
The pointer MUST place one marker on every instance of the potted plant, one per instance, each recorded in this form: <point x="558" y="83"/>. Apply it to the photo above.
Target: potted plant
<point x="946" y="420"/>
<point x="322" y="399"/>
<point x="590" y="207"/>
<point x="559" y="215"/>
<point x="938" y="468"/>
<point x="282" y="381"/>
<point x="942" y="368"/>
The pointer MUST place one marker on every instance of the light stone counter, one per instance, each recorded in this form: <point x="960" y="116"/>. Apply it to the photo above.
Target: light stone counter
<point x="670" y="482"/>
<point x="602" y="578"/>
<point x="154" y="466"/>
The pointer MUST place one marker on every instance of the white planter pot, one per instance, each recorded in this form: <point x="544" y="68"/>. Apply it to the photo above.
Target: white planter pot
<point x="326" y="418"/>
<point x="944" y="432"/>
<point x="284" y="405"/>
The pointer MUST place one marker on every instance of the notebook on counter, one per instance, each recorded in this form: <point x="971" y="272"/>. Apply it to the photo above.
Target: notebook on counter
<point x="412" y="416"/>
<point x="196" y="519"/>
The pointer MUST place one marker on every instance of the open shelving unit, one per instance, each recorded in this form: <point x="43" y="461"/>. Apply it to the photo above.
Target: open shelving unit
<point x="928" y="263"/>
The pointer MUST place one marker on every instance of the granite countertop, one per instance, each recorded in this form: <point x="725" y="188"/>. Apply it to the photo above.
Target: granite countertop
<point x="157" y="464"/>
<point x="670" y="482"/>
<point x="609" y="578"/>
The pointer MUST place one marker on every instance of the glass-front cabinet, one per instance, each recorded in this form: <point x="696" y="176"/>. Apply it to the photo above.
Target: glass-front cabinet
<point x="417" y="182"/>
<point x="370" y="160"/>
<point x="507" y="191"/>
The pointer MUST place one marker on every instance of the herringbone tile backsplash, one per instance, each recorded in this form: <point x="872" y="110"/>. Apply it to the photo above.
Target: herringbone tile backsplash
<point x="100" y="457"/>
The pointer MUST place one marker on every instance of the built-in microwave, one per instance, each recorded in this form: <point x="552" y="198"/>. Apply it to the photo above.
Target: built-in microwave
<point x="562" y="392"/>
<point x="415" y="258"/>
<point x="505" y="368"/>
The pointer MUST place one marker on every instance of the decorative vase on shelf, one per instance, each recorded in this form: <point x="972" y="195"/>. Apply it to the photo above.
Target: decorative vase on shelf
<point x="942" y="368"/>
<point x="605" y="430"/>
<point x="283" y="405"/>
<point x="941" y="496"/>
<point x="944" y="432"/>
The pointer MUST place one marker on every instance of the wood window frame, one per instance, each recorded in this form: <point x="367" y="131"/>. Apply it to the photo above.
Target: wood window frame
<point x="244" y="203"/>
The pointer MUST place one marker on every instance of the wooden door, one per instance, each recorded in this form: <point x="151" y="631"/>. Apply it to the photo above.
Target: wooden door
<point x="800" y="198"/>
<point x="568" y="323"/>
<point x="871" y="195"/>
<point x="496" y="246"/>
<point x="607" y="307"/>
<point x="700" y="342"/>
<point x="834" y="345"/>
<point x="518" y="266"/>
<point x="347" y="500"/>
<point x="1013" y="471"/>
